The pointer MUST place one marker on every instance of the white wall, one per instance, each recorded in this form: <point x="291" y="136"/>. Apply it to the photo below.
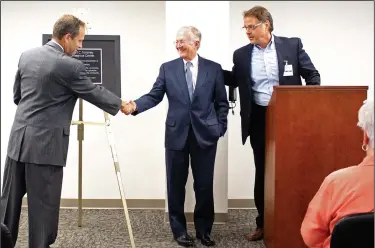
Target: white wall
<point x="338" y="36"/>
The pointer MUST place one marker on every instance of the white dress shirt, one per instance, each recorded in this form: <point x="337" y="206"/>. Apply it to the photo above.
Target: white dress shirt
<point x="194" y="69"/>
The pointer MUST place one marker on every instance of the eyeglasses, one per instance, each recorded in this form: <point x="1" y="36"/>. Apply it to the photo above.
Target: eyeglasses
<point x="182" y="42"/>
<point x="251" y="27"/>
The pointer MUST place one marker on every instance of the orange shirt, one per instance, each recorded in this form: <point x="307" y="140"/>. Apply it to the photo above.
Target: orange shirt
<point x="343" y="192"/>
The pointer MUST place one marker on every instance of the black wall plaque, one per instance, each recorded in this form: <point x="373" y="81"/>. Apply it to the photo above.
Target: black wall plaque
<point x="107" y="71"/>
<point x="92" y="58"/>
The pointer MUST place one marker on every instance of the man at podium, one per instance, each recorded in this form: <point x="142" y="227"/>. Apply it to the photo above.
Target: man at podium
<point x="268" y="60"/>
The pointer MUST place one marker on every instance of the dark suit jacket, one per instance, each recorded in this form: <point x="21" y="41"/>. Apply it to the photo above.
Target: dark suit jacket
<point x="289" y="49"/>
<point x="207" y="113"/>
<point x="46" y="89"/>
<point x="6" y="237"/>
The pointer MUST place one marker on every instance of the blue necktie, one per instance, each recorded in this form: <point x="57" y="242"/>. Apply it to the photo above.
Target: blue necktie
<point x="189" y="80"/>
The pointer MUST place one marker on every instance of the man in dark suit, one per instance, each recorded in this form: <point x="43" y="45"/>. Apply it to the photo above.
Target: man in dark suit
<point x="267" y="61"/>
<point x="47" y="85"/>
<point x="196" y="119"/>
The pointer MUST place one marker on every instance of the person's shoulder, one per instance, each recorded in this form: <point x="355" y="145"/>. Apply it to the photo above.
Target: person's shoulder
<point x="62" y="60"/>
<point x="242" y="49"/>
<point x="239" y="52"/>
<point x="288" y="40"/>
<point x="341" y="174"/>
<point x="31" y="52"/>
<point x="172" y="62"/>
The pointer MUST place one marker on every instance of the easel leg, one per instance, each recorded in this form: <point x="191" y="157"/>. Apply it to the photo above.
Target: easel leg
<point x="80" y="140"/>
<point x="119" y="179"/>
<point x="127" y="218"/>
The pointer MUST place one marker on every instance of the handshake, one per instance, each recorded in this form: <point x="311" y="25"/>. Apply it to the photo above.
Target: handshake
<point x="128" y="108"/>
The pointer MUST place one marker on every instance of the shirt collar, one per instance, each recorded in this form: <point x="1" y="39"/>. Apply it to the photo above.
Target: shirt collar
<point x="194" y="61"/>
<point x="54" y="41"/>
<point x="269" y="45"/>
<point x="368" y="160"/>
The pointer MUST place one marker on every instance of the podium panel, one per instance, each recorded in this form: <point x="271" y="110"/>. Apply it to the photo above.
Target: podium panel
<point x="311" y="132"/>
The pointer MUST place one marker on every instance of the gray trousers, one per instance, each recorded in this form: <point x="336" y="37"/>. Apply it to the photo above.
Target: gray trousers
<point x="42" y="183"/>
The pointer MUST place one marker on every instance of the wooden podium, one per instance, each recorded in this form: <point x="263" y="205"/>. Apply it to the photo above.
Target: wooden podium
<point x="311" y="132"/>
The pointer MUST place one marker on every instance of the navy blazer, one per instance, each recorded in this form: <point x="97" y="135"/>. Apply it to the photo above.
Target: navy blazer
<point x="287" y="49"/>
<point x="206" y="113"/>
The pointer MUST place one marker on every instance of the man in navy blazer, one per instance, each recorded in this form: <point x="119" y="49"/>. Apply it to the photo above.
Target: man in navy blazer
<point x="267" y="61"/>
<point x="196" y="119"/>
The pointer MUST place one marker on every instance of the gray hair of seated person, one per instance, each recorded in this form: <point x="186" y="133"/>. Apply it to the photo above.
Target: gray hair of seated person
<point x="366" y="120"/>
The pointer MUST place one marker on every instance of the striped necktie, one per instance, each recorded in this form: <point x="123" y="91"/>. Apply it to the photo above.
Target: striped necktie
<point x="189" y="80"/>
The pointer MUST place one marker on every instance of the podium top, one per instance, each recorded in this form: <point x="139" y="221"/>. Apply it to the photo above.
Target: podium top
<point x="316" y="87"/>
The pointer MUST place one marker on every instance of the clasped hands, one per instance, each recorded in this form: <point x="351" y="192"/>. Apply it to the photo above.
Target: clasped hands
<point x="128" y="108"/>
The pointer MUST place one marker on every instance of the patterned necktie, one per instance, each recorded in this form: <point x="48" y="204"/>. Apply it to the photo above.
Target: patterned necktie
<point x="189" y="79"/>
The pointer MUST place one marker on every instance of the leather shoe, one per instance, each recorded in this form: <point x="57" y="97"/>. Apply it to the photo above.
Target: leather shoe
<point x="206" y="240"/>
<point x="257" y="235"/>
<point x="185" y="240"/>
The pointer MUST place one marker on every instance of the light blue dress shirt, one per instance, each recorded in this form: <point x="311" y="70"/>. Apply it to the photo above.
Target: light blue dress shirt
<point x="264" y="72"/>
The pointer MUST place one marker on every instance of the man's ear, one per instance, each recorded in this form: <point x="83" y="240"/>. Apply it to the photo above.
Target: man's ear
<point x="197" y="44"/>
<point x="267" y="25"/>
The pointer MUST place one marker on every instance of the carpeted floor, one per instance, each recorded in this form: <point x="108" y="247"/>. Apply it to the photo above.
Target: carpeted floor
<point x="107" y="229"/>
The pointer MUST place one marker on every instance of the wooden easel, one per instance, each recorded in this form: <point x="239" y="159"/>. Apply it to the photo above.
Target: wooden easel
<point x="80" y="128"/>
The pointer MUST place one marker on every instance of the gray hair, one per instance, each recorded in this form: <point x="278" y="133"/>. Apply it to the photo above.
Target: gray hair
<point x="190" y="31"/>
<point x="366" y="120"/>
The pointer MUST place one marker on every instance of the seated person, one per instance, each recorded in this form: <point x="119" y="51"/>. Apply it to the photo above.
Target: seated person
<point x="343" y="192"/>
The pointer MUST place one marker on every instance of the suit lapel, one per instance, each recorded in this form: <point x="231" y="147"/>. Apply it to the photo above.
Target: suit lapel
<point x="202" y="73"/>
<point x="182" y="84"/>
<point x="247" y="59"/>
<point x="281" y="56"/>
